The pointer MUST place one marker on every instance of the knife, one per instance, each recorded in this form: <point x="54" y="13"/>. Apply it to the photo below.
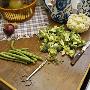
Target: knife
<point x="75" y="59"/>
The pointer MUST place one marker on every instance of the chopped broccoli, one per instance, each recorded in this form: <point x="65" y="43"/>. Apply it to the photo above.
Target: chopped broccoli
<point x="57" y="39"/>
<point x="52" y="52"/>
<point x="44" y="47"/>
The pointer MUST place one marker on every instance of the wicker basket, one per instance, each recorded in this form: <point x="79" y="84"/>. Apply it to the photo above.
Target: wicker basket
<point x="19" y="15"/>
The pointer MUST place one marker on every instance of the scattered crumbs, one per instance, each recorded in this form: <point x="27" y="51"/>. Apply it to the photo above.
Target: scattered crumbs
<point x="28" y="83"/>
<point x="55" y="61"/>
<point x="23" y="78"/>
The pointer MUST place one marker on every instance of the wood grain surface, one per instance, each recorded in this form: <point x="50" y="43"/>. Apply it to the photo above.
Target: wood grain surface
<point x="50" y="77"/>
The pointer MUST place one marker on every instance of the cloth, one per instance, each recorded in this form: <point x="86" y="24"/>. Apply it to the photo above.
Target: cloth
<point x="27" y="28"/>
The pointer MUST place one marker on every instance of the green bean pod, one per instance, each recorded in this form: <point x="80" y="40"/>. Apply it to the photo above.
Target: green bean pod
<point x="17" y="52"/>
<point x="24" y="49"/>
<point x="12" y="44"/>
<point x="20" y="57"/>
<point x="31" y="55"/>
<point x="13" y="60"/>
<point x="33" y="58"/>
<point x="3" y="54"/>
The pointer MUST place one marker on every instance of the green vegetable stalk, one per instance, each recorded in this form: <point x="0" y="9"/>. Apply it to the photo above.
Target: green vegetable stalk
<point x="15" y="60"/>
<point x="19" y="55"/>
<point x="31" y="55"/>
<point x="57" y="39"/>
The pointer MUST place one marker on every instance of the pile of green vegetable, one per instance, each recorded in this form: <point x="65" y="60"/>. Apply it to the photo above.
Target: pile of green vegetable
<point x="19" y="55"/>
<point x="57" y="39"/>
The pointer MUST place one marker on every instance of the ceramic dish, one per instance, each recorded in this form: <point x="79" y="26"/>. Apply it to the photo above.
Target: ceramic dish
<point x="60" y="10"/>
<point x="84" y="7"/>
<point x="49" y="4"/>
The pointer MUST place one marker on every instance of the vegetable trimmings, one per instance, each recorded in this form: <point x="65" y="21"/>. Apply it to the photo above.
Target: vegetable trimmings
<point x="78" y="23"/>
<point x="57" y="39"/>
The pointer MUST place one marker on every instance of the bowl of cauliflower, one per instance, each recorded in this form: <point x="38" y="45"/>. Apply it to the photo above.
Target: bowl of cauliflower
<point x="78" y="23"/>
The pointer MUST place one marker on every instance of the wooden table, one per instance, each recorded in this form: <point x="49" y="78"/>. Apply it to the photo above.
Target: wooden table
<point x="50" y="77"/>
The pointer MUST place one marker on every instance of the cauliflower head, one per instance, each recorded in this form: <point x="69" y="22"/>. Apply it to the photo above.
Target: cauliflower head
<point x="78" y="22"/>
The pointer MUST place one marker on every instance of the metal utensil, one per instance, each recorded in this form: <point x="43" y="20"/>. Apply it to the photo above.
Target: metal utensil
<point x="36" y="70"/>
<point x="75" y="59"/>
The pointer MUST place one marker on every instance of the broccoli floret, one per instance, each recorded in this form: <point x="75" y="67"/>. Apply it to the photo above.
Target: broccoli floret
<point x="41" y="34"/>
<point x="58" y="39"/>
<point x="51" y="38"/>
<point x="52" y="52"/>
<point x="71" y="53"/>
<point x="44" y="48"/>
